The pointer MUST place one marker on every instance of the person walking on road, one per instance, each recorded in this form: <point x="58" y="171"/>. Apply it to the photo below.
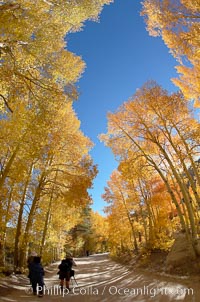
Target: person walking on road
<point x="65" y="270"/>
<point x="36" y="275"/>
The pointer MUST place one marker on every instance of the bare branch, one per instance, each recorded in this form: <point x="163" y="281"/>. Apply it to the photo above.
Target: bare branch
<point x="6" y="103"/>
<point x="9" y="6"/>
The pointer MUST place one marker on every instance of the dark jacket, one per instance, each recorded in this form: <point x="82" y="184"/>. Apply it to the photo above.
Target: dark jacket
<point x="36" y="272"/>
<point x="65" y="268"/>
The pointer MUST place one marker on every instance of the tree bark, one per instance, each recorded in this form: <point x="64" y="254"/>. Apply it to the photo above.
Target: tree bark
<point x="29" y="223"/>
<point x="19" y="221"/>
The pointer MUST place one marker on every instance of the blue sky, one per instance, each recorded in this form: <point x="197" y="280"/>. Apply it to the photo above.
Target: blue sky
<point x="120" y="57"/>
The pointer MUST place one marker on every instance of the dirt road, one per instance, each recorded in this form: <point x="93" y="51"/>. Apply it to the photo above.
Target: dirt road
<point x="100" y="279"/>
